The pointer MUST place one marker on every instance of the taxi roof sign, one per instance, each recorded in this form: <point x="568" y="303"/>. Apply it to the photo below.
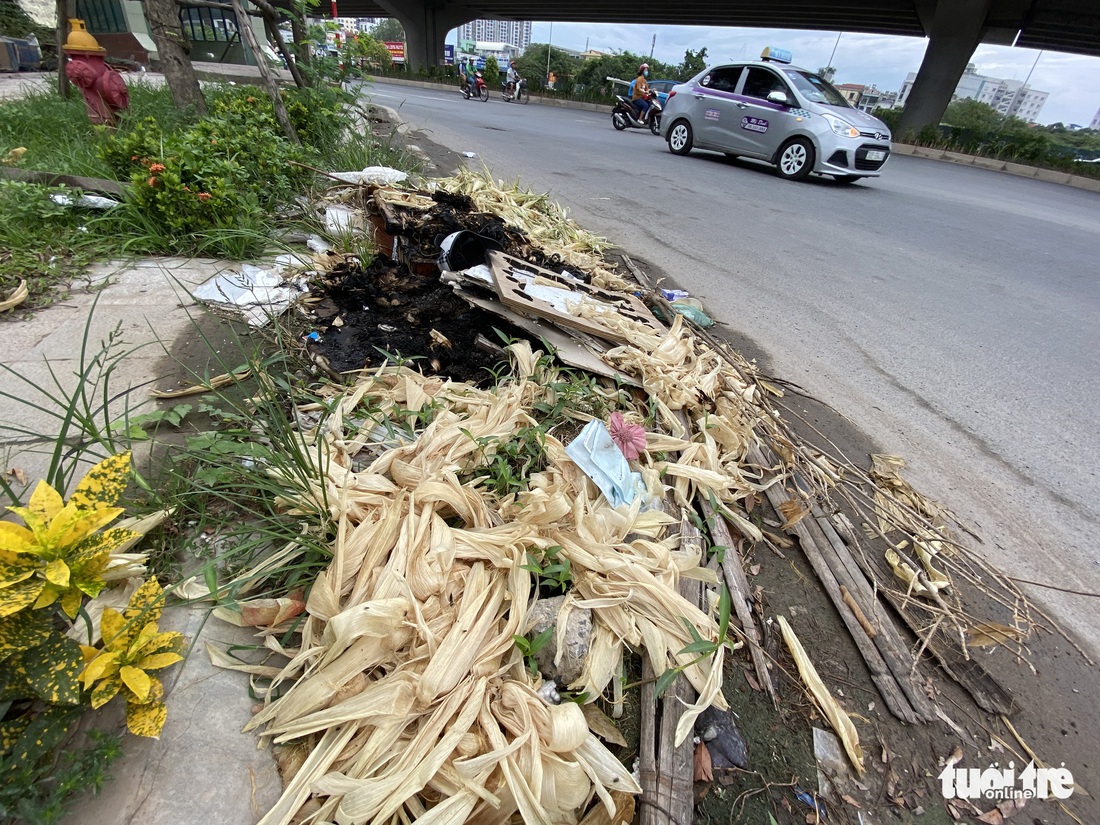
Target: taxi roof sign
<point x="776" y="55"/>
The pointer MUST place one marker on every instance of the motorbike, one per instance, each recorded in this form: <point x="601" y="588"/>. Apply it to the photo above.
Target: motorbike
<point x="479" y="88"/>
<point x="625" y="114"/>
<point x="519" y="95"/>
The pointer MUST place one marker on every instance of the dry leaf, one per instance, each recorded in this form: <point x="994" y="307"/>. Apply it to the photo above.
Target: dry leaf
<point x="793" y="512"/>
<point x="987" y="634"/>
<point x="18" y="475"/>
<point x="955" y="757"/>
<point x="850" y="801"/>
<point x="603" y="727"/>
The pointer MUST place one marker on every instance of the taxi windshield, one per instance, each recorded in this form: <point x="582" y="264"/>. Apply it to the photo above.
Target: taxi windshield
<point x="816" y="89"/>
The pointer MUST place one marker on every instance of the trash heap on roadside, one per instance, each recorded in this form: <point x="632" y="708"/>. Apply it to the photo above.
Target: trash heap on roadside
<point x="509" y="563"/>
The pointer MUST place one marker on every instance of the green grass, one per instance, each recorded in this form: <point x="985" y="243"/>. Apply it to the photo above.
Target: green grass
<point x="50" y="246"/>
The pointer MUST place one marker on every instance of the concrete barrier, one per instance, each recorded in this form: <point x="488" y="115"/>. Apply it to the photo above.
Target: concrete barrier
<point x="995" y="165"/>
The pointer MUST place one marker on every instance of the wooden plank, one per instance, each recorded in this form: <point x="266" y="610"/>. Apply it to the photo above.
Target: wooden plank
<point x="987" y="692"/>
<point x="647" y="747"/>
<point x="96" y="185"/>
<point x="676" y="765"/>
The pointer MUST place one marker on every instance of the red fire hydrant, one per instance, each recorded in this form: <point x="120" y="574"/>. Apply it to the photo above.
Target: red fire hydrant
<point x="104" y="90"/>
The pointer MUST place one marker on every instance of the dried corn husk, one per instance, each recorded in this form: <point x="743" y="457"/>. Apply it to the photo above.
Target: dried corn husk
<point x="839" y="720"/>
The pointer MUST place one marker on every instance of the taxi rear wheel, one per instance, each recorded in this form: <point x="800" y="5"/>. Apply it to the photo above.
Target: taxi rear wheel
<point x="796" y="159"/>
<point x="679" y="138"/>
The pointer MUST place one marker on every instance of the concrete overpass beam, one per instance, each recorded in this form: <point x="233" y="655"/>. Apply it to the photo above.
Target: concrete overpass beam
<point x="426" y="23"/>
<point x="957" y="29"/>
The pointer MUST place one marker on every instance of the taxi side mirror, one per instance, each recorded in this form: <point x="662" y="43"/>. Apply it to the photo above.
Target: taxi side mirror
<point x="779" y="97"/>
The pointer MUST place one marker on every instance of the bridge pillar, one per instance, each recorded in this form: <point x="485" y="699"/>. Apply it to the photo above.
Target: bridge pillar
<point x="426" y="23"/>
<point x="957" y="29"/>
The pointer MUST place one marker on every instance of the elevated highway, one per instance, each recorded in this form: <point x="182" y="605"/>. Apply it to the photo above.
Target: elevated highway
<point x="954" y="28"/>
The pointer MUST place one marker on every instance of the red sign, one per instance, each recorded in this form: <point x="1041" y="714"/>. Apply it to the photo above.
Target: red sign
<point x="396" y="49"/>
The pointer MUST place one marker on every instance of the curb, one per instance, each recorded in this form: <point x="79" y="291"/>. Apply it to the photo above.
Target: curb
<point x="995" y="165"/>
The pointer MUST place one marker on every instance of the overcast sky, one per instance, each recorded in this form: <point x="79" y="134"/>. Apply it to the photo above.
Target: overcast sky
<point x="1073" y="81"/>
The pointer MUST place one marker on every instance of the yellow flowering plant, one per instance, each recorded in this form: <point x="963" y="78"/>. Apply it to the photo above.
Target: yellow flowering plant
<point x="63" y="550"/>
<point x="133" y="646"/>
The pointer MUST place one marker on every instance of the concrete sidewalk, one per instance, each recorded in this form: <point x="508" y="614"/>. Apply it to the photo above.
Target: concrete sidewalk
<point x="202" y="769"/>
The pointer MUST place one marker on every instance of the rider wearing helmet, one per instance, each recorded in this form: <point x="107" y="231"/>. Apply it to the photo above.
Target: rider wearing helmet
<point x="513" y="77"/>
<point x="640" y="96"/>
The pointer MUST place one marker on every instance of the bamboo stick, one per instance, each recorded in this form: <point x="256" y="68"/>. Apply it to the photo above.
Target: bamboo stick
<point x="740" y="595"/>
<point x="883" y="656"/>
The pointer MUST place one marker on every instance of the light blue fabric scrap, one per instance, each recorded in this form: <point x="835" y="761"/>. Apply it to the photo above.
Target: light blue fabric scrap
<point x="594" y="451"/>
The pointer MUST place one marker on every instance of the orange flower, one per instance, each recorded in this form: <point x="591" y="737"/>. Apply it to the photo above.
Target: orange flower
<point x="204" y="196"/>
<point x="157" y="167"/>
<point x="153" y="181"/>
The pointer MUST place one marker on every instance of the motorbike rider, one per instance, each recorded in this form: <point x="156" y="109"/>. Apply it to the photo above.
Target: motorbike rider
<point x="512" y="77"/>
<point x="464" y="75"/>
<point x="639" y="98"/>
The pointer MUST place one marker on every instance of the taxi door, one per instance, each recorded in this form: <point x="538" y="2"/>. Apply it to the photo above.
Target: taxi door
<point x="715" y="110"/>
<point x="764" y="125"/>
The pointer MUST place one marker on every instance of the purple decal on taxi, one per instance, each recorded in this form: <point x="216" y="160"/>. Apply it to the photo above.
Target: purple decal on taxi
<point x="711" y="114"/>
<point x="754" y="124"/>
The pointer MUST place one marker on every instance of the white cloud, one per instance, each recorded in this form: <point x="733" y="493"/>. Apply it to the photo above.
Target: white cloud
<point x="1072" y="80"/>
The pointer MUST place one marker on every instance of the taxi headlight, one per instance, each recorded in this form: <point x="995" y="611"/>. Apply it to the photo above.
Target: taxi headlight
<point x="840" y="127"/>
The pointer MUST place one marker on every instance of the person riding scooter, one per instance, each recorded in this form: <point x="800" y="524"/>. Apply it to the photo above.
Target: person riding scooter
<point x="641" y="94"/>
<point x="512" y="78"/>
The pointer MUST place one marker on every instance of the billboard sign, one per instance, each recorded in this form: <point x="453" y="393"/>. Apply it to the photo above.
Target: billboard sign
<point x="448" y="54"/>
<point x="396" y="49"/>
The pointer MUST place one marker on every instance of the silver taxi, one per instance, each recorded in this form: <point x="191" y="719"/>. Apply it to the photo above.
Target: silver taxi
<point x="770" y="110"/>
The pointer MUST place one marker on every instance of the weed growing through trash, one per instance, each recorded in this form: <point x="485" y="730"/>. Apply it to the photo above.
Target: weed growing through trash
<point x="553" y="570"/>
<point x="508" y="464"/>
<point x="530" y="648"/>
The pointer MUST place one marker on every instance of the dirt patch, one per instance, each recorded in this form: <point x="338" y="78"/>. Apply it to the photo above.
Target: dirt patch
<point x="379" y="313"/>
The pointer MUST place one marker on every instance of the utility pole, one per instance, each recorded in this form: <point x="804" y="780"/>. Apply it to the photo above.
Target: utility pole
<point x="548" y="47"/>
<point x="652" y="45"/>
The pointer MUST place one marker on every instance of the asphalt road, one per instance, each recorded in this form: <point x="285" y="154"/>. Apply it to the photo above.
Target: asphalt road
<point x="953" y="314"/>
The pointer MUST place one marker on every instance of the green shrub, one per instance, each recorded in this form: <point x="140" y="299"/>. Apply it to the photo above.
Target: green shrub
<point x="225" y="173"/>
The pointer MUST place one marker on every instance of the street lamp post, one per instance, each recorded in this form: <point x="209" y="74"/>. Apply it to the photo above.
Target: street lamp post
<point x="548" y="47"/>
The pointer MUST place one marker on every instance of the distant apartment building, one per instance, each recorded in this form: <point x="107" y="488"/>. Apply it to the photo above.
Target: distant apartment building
<point x="872" y="98"/>
<point x="867" y="98"/>
<point x="515" y="32"/>
<point x="1095" y="121"/>
<point x="1011" y="98"/>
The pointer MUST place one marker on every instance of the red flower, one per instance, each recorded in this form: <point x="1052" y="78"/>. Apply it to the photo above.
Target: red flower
<point x="204" y="196"/>
<point x="629" y="438"/>
<point x="157" y="167"/>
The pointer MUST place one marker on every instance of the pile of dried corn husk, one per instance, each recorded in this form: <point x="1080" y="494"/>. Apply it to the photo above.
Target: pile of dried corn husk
<point x="409" y="692"/>
<point x="407" y="697"/>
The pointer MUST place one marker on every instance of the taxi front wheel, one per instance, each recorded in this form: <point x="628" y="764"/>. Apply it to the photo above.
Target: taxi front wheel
<point x="679" y="138"/>
<point x="796" y="159"/>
